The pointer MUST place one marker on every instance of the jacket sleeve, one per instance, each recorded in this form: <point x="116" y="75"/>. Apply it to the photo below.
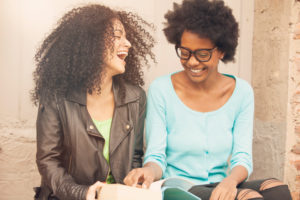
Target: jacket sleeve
<point x="50" y="151"/>
<point x="139" y="141"/>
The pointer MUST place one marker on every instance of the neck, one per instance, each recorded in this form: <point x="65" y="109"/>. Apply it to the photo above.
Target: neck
<point x="106" y="87"/>
<point x="209" y="84"/>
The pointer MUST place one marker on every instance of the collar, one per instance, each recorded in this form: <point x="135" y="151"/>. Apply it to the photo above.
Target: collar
<point x="79" y="96"/>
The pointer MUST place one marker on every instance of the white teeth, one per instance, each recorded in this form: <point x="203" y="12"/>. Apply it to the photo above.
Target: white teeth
<point x="122" y="53"/>
<point x="196" y="70"/>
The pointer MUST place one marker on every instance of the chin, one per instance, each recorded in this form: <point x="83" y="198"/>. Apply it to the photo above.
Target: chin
<point x="120" y="70"/>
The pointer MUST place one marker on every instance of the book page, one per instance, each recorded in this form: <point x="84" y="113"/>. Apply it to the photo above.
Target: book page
<point x="178" y="182"/>
<point x="156" y="186"/>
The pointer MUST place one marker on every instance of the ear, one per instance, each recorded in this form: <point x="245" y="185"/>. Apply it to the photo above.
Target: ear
<point x="221" y="55"/>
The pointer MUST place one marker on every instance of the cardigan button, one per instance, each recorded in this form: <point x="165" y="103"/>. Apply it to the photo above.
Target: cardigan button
<point x="127" y="127"/>
<point x="91" y="127"/>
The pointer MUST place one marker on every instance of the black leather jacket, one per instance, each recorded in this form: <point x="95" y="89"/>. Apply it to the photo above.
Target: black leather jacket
<point x="70" y="148"/>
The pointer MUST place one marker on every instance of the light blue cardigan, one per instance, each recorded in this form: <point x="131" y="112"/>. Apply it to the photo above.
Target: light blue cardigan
<point x="196" y="145"/>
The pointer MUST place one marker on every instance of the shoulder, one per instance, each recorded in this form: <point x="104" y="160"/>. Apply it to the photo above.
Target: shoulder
<point x="161" y="83"/>
<point x="134" y="91"/>
<point x="243" y="87"/>
<point x="50" y="100"/>
<point x="243" y="95"/>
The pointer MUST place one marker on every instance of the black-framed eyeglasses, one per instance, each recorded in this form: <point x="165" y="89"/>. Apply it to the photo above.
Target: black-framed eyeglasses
<point x="202" y="55"/>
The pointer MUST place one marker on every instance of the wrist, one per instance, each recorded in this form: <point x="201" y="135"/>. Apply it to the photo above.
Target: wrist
<point x="154" y="170"/>
<point x="231" y="180"/>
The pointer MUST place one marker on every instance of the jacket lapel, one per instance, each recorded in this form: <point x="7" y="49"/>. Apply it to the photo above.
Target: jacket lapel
<point x="121" y="127"/>
<point x="122" y="122"/>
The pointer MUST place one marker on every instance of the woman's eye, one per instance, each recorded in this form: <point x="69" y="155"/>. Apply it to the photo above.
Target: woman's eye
<point x="184" y="54"/>
<point x="202" y="54"/>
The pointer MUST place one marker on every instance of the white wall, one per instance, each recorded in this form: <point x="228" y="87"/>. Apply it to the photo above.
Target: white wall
<point x="23" y="26"/>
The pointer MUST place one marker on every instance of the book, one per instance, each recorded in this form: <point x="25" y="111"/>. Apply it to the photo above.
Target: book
<point x="124" y="192"/>
<point x="167" y="189"/>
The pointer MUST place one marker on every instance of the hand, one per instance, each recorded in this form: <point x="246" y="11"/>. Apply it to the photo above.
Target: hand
<point x="144" y="176"/>
<point x="226" y="190"/>
<point x="91" y="193"/>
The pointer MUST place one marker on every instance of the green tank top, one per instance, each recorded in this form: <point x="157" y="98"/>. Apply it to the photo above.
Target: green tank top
<point x="104" y="128"/>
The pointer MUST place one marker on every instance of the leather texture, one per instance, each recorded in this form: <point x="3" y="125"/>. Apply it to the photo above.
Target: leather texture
<point x="70" y="148"/>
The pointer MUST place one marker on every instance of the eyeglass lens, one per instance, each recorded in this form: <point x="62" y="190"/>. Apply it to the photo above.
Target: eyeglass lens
<point x="201" y="54"/>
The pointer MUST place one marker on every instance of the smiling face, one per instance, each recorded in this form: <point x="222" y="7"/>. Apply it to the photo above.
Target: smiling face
<point x="195" y="70"/>
<point x="115" y="59"/>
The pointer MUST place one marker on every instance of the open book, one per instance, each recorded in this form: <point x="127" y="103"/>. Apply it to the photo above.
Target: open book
<point x="166" y="189"/>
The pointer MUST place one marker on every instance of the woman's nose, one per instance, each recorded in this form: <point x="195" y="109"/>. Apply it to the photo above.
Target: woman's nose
<point x="192" y="61"/>
<point x="127" y="43"/>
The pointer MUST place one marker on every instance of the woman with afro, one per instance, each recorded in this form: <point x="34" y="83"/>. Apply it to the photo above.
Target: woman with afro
<point x="91" y="106"/>
<point x="199" y="122"/>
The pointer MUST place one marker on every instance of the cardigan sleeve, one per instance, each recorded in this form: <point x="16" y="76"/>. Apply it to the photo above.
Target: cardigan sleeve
<point x="156" y="133"/>
<point x="243" y="132"/>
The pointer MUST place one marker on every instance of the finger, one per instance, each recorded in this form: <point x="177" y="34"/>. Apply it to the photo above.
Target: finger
<point x="228" y="195"/>
<point x="147" y="182"/>
<point x="233" y="194"/>
<point x="215" y="194"/>
<point x="91" y="193"/>
<point x="99" y="184"/>
<point x="224" y="195"/>
<point x="133" y="177"/>
<point x="128" y="179"/>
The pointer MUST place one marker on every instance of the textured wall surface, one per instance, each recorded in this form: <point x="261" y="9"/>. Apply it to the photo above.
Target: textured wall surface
<point x="18" y="171"/>
<point x="292" y="167"/>
<point x="270" y="83"/>
<point x="276" y="82"/>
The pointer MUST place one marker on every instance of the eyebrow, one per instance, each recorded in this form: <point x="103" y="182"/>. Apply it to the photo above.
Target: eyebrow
<point x="120" y="31"/>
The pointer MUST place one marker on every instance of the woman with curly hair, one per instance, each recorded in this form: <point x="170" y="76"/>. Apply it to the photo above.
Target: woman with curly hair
<point x="91" y="106"/>
<point x="199" y="119"/>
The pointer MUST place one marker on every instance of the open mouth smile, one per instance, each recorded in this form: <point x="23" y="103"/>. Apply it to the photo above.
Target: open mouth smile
<point x="122" y="54"/>
<point x="197" y="70"/>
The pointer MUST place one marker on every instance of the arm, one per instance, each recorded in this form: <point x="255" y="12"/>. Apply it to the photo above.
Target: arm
<point x="154" y="162"/>
<point x="50" y="154"/>
<point x="139" y="141"/>
<point x="241" y="159"/>
<point x="243" y="134"/>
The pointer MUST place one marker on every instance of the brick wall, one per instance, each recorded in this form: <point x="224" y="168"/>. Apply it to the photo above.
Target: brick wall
<point x="293" y="172"/>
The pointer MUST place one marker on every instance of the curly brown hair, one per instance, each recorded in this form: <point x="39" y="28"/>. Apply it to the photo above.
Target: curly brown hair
<point x="72" y="55"/>
<point x="210" y="19"/>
